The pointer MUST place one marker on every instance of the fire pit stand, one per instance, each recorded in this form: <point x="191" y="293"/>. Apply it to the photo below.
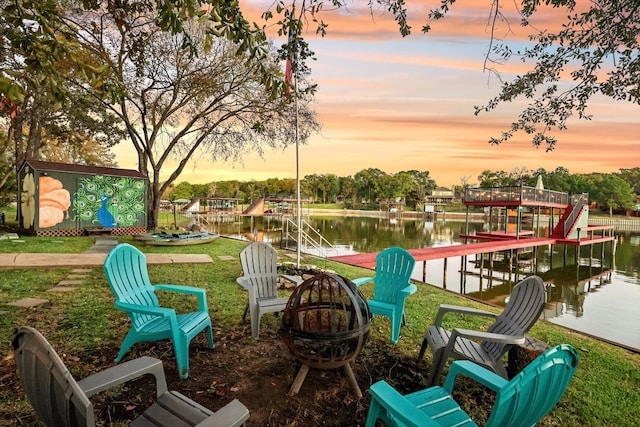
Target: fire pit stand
<point x="325" y="325"/>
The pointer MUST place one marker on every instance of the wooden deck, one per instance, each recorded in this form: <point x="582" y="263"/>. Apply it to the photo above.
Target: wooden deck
<point x="495" y="245"/>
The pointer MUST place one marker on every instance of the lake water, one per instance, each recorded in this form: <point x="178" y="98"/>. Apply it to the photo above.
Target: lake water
<point x="593" y="294"/>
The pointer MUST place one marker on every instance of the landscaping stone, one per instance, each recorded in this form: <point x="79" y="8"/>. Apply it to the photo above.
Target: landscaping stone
<point x="61" y="289"/>
<point x="70" y="282"/>
<point x="9" y="236"/>
<point x="226" y="257"/>
<point x="28" y="302"/>
<point x="102" y="245"/>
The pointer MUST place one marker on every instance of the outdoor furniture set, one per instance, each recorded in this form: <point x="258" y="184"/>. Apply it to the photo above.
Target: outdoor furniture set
<point x="527" y="397"/>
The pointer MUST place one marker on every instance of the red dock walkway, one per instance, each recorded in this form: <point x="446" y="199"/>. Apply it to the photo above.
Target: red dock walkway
<point x="425" y="254"/>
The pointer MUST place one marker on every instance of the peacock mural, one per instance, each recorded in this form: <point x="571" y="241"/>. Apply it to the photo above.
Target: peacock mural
<point x="109" y="201"/>
<point x="62" y="199"/>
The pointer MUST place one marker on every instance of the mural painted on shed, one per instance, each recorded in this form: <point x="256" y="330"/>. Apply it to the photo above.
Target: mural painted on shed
<point x="103" y="201"/>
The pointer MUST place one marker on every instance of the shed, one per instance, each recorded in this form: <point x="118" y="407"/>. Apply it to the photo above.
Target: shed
<point x="59" y="199"/>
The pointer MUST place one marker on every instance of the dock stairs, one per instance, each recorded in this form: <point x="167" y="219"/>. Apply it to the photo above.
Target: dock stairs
<point x="311" y="241"/>
<point x="572" y="214"/>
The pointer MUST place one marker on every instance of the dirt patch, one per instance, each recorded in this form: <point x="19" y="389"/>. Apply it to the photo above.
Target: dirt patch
<point x="259" y="374"/>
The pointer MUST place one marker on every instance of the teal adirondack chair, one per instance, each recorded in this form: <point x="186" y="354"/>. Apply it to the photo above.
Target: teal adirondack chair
<point x="126" y="271"/>
<point x="523" y="401"/>
<point x="391" y="286"/>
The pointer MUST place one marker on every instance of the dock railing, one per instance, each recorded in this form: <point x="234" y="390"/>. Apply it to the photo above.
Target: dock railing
<point x="516" y="194"/>
<point x="312" y="241"/>
<point x="578" y="201"/>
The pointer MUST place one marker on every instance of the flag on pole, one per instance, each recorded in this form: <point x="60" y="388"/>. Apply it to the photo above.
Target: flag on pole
<point x="288" y="74"/>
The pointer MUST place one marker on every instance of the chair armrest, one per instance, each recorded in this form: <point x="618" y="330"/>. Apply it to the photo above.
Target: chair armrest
<point x="294" y="279"/>
<point x="446" y="308"/>
<point x="243" y="282"/>
<point x="363" y="280"/>
<point x="487" y="336"/>
<point x="409" y="289"/>
<point x="476" y="372"/>
<point x="152" y="311"/>
<point x="233" y="414"/>
<point x="190" y="290"/>
<point x="397" y="406"/>
<point x="124" y="372"/>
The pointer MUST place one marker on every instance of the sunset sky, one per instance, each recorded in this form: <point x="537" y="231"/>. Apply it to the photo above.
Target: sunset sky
<point x="398" y="104"/>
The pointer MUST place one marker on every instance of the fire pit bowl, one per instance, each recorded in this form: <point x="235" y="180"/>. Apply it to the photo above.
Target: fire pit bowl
<point x="325" y="325"/>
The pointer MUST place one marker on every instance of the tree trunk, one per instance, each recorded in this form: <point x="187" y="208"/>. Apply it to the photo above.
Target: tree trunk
<point x="153" y="207"/>
<point x="152" y="218"/>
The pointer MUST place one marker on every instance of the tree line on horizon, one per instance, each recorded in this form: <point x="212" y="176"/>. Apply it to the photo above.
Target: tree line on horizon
<point x="368" y="187"/>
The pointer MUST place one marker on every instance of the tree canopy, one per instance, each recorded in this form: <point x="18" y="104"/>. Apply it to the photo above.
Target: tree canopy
<point x="177" y="106"/>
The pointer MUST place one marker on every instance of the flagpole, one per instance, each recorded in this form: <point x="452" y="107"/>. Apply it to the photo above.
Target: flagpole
<point x="299" y="204"/>
<point x="291" y="75"/>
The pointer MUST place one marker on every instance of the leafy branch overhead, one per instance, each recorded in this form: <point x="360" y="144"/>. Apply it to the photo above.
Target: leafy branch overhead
<point x="594" y="53"/>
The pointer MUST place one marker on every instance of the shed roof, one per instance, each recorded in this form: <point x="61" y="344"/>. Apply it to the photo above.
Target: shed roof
<point x="90" y="170"/>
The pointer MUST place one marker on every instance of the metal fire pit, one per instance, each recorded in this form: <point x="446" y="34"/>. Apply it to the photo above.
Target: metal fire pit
<point x="325" y="325"/>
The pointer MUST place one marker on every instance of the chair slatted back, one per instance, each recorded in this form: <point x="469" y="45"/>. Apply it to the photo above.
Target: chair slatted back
<point x="532" y="393"/>
<point x="393" y="272"/>
<point x="521" y="312"/>
<point x="260" y="266"/>
<point x="126" y="270"/>
<point x="52" y="391"/>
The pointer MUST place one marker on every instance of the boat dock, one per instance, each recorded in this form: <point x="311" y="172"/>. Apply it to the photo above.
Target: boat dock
<point x="439" y="252"/>
<point x="497" y="243"/>
<point x="569" y="215"/>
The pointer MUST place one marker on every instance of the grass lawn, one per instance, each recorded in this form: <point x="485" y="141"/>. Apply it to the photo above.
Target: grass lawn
<point x="85" y="328"/>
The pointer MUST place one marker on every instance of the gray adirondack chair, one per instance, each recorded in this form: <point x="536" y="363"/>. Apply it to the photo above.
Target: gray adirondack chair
<point x="260" y="279"/>
<point x="521" y="312"/>
<point x="61" y="401"/>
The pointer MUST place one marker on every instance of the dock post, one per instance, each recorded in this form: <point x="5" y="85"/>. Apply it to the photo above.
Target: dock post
<point x="444" y="276"/>
<point x="424" y="271"/>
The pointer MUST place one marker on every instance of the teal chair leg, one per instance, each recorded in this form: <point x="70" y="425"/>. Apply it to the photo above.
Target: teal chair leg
<point x="210" y="336"/>
<point x="128" y="341"/>
<point x="376" y="411"/>
<point x="396" y="320"/>
<point x="181" y="348"/>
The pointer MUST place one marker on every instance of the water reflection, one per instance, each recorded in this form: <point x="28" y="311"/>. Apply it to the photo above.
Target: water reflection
<point x="591" y="293"/>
